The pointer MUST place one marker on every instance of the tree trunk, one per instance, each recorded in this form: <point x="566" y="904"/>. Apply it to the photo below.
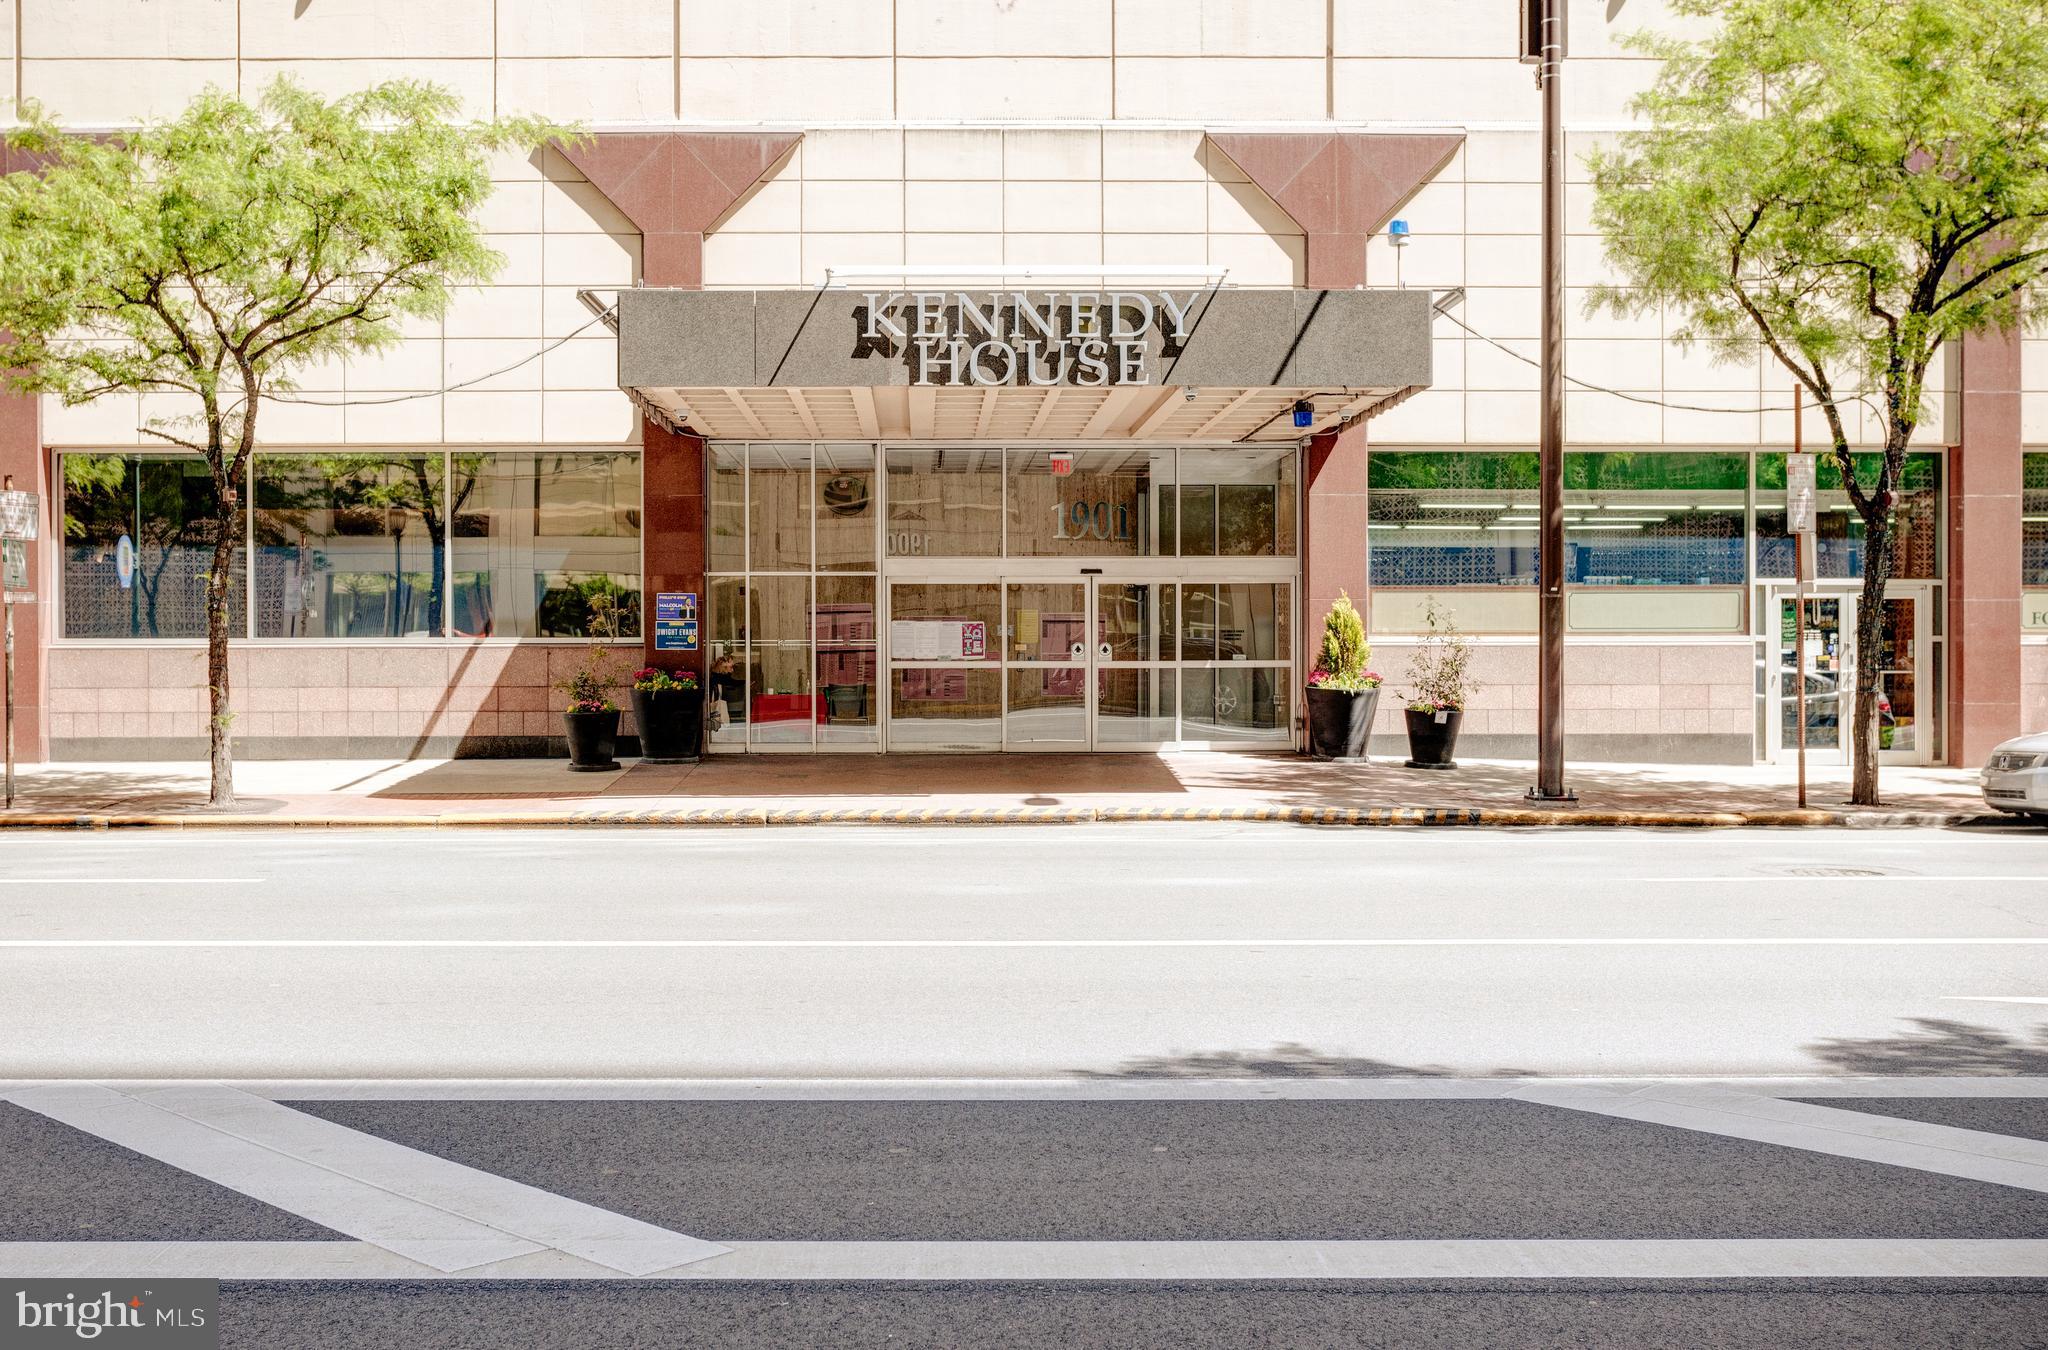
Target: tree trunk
<point x="1877" y="569"/>
<point x="219" y="591"/>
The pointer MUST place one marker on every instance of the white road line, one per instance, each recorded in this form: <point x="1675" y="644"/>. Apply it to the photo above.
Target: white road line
<point x="131" y="881"/>
<point x="1773" y="878"/>
<point x="417" y="1231"/>
<point x="1972" y="1154"/>
<point x="726" y="944"/>
<point x="598" y="1235"/>
<point x="1989" y="998"/>
<point x="1060" y="1089"/>
<point x="1534" y="1258"/>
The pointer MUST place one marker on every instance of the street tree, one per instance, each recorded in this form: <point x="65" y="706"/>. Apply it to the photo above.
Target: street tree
<point x="1849" y="185"/>
<point x="216" y="256"/>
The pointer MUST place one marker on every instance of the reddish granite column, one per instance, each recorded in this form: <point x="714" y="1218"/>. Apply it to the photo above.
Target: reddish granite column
<point x="21" y="454"/>
<point x="1333" y="530"/>
<point x="1984" y="549"/>
<point x="672" y="526"/>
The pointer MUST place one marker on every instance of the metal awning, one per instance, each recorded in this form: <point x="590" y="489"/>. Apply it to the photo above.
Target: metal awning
<point x="1213" y="364"/>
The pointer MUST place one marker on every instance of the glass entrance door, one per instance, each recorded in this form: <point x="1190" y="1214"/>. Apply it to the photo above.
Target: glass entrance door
<point x="1905" y="731"/>
<point x="1089" y="664"/>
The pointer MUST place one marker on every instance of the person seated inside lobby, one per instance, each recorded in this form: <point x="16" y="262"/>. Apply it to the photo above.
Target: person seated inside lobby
<point x="729" y="687"/>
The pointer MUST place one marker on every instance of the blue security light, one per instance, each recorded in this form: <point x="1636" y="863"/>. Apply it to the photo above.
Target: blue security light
<point x="1397" y="233"/>
<point x="1304" y="413"/>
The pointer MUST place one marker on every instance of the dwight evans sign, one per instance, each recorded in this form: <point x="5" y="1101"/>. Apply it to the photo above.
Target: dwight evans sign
<point x="1084" y="338"/>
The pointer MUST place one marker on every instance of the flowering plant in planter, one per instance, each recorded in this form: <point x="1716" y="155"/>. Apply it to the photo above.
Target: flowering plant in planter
<point x="1440" y="669"/>
<point x="655" y="680"/>
<point x="590" y="687"/>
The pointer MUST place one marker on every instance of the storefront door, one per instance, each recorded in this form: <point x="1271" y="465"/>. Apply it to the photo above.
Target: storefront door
<point x="1907" y="704"/>
<point x="1089" y="664"/>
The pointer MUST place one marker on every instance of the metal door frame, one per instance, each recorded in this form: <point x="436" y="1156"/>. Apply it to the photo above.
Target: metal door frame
<point x="1849" y="593"/>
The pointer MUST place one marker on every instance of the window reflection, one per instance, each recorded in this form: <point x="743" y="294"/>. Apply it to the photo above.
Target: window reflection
<point x="163" y="505"/>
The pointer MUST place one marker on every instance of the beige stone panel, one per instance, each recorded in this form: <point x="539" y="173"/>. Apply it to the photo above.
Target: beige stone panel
<point x="1586" y="262"/>
<point x="1604" y="322"/>
<point x="2033" y="417"/>
<point x="821" y="251"/>
<point x="1220" y="27"/>
<point x="493" y="419"/>
<point x="789" y="90"/>
<point x="1244" y="208"/>
<point x="744" y="260"/>
<point x="1153" y="156"/>
<point x="1579" y="145"/>
<point x="102" y="29"/>
<point x="563" y="315"/>
<point x="786" y="27"/>
<point x="774" y="207"/>
<point x="413" y="421"/>
<point x="1503" y="311"/>
<point x="579" y="207"/>
<point x="101" y="93"/>
<point x="853" y="152"/>
<point x="1376" y="28"/>
<point x="585" y="28"/>
<point x="1602" y="90"/>
<point x="952" y="153"/>
<point x="481" y="364"/>
<point x="584" y="363"/>
<point x="1155" y="208"/>
<point x="1018" y="28"/>
<point x="852" y="206"/>
<point x="2034" y="364"/>
<point x="378" y="29"/>
<point x="1432" y="417"/>
<point x="591" y="259"/>
<point x="1158" y="250"/>
<point x="1052" y="249"/>
<point x="1504" y="260"/>
<point x="1438" y="208"/>
<point x="1504" y="208"/>
<point x="1488" y="367"/>
<point x="406" y="365"/>
<point x="1053" y="154"/>
<point x="469" y="80"/>
<point x="1052" y="208"/>
<point x="284" y="422"/>
<point x="1431" y="259"/>
<point x="111" y="420"/>
<point x="1259" y="259"/>
<point x="1452" y="92"/>
<point x="1218" y="88"/>
<point x="1602" y="419"/>
<point x="522" y="259"/>
<point x="1694" y="367"/>
<point x="1003" y="87"/>
<point x="938" y="249"/>
<point x="590" y="88"/>
<point x="1503" y="157"/>
<point x="961" y="208"/>
<point x="498" y="311"/>
<point x="1740" y="425"/>
<point x="1501" y="418"/>
<point x="1618" y="364"/>
<point x="518" y="166"/>
<point x="589" y="417"/>
<point x="176" y="414"/>
<point x="1503" y="610"/>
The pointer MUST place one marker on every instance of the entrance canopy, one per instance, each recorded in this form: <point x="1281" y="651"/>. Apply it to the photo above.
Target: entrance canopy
<point x="1199" y="364"/>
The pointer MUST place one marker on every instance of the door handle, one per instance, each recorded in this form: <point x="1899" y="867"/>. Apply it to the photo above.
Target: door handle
<point x="1103" y="651"/>
<point x="1078" y="652"/>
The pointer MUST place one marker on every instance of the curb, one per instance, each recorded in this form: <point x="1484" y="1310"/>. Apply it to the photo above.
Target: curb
<point x="1398" y="817"/>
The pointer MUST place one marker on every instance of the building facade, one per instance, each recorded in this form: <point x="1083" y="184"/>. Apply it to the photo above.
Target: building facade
<point x="994" y="375"/>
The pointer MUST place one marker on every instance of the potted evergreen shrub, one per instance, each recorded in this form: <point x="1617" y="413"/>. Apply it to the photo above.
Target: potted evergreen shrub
<point x="1439" y="674"/>
<point x="669" y="713"/>
<point x="1342" y="694"/>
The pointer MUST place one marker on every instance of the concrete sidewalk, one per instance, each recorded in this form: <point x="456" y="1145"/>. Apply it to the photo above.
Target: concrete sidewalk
<point x="918" y="789"/>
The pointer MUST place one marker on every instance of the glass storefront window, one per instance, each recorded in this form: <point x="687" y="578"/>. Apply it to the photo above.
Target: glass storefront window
<point x="844" y="488"/>
<point x="1235" y="621"/>
<point x="1237" y="503"/>
<point x="780" y="706"/>
<point x="1838" y="544"/>
<point x="725" y="651"/>
<point x="1440" y="519"/>
<point x="725" y="535"/>
<point x="845" y="632"/>
<point x="1088" y="503"/>
<point x="945" y="503"/>
<point x="2034" y="542"/>
<point x="163" y="505"/>
<point x="351" y="545"/>
<point x="548" y="545"/>
<point x="779" y="507"/>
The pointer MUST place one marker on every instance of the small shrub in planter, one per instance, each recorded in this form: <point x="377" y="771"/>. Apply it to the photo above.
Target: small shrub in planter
<point x="591" y="720"/>
<point x="1439" y="675"/>
<point x="1342" y="694"/>
<point x="669" y="711"/>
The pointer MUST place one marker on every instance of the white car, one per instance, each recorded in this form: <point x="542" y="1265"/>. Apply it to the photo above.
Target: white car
<point x="2016" y="777"/>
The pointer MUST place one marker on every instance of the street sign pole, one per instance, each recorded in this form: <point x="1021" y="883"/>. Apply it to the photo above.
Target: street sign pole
<point x="1543" y="42"/>
<point x="1800" y="507"/>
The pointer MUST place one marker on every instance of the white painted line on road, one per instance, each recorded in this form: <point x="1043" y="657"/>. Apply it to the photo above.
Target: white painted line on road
<point x="1463" y="1259"/>
<point x="828" y="944"/>
<point x="599" y="1235"/>
<point x="131" y="881"/>
<point x="1750" y="877"/>
<point x="1989" y="998"/>
<point x="1248" y="1088"/>
<point x="1944" y="1149"/>
<point x="414" y="1230"/>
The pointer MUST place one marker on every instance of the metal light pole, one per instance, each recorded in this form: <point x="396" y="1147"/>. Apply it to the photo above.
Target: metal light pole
<point x="1543" y="44"/>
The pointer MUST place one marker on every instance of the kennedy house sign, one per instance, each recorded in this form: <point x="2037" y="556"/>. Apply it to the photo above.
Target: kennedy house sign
<point x="831" y="338"/>
<point x="1083" y="338"/>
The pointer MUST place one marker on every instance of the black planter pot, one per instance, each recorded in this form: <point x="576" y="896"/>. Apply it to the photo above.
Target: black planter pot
<point x="1430" y="742"/>
<point x="670" y="721"/>
<point x="593" y="736"/>
<point x="1339" y="721"/>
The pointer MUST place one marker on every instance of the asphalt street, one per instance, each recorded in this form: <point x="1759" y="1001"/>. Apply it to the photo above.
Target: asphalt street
<point x="1023" y="952"/>
<point x="1173" y="1086"/>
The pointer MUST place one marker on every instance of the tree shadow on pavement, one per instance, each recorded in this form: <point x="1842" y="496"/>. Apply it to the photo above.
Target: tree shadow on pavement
<point x="1940" y="1047"/>
<point x="1285" y="1060"/>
